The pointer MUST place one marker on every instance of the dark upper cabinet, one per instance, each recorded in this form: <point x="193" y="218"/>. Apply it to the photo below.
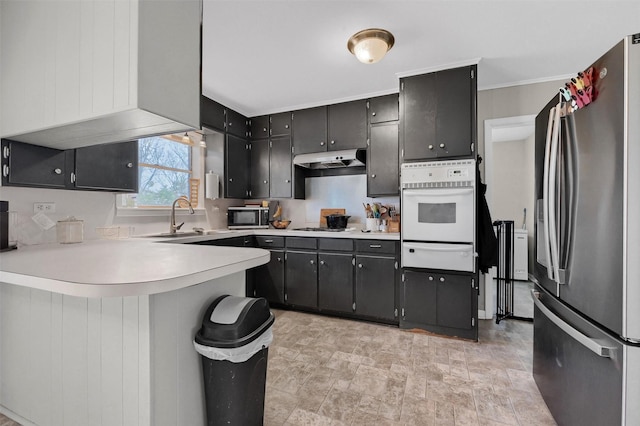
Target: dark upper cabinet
<point x="438" y="114"/>
<point x="212" y="114"/>
<point x="382" y="160"/>
<point x="347" y="124"/>
<point x="236" y="124"/>
<point x="259" y="127"/>
<point x="31" y="165"/>
<point x="335" y="282"/>
<point x="280" y="124"/>
<point x="309" y="130"/>
<point x="281" y="168"/>
<point x="236" y="167"/>
<point x="107" y="167"/>
<point x="383" y="108"/>
<point x="259" y="153"/>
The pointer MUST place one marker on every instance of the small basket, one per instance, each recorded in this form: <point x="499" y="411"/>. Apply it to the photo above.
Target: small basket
<point x="280" y="224"/>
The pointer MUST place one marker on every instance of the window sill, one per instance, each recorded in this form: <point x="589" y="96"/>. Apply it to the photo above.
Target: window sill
<point x="155" y="211"/>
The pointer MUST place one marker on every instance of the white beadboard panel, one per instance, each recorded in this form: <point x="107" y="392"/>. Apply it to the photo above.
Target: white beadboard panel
<point x="130" y="361"/>
<point x="122" y="53"/>
<point x="176" y="316"/>
<point x="40" y="361"/>
<point x="144" y="356"/>
<point x="56" y="415"/>
<point x="67" y="63"/>
<point x="94" y="361"/>
<point x="103" y="56"/>
<point x="112" y="355"/>
<point x="14" y="389"/>
<point x="74" y="360"/>
<point x="85" y="47"/>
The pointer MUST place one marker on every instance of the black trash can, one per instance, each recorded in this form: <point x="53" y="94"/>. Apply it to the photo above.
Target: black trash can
<point x="234" y="344"/>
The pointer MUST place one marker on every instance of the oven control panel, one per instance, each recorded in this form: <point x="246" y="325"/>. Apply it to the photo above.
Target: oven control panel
<point x="446" y="173"/>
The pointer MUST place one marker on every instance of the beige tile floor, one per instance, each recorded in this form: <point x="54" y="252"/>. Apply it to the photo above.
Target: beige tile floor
<point x="329" y="371"/>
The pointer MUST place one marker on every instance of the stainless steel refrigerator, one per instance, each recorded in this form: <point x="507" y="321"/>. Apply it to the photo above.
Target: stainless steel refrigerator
<point x="587" y="252"/>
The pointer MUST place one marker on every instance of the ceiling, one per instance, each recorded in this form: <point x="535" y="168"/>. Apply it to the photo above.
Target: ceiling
<point x="262" y="57"/>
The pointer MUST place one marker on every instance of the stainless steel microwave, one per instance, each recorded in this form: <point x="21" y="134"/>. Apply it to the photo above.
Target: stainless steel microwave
<point x="247" y="217"/>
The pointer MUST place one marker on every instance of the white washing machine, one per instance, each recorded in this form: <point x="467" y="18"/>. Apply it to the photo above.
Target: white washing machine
<point x="520" y="254"/>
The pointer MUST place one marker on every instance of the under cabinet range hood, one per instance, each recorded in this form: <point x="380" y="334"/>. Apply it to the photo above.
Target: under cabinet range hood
<point x="331" y="159"/>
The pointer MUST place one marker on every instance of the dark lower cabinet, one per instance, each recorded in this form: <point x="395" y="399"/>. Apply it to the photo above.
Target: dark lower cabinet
<point x="442" y="303"/>
<point x="301" y="278"/>
<point x="376" y="287"/>
<point x="335" y="282"/>
<point x="269" y="278"/>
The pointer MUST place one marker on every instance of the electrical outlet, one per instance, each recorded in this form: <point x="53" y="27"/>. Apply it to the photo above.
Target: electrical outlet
<point x="48" y="207"/>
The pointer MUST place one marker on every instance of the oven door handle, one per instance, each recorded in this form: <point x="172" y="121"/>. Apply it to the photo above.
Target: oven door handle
<point x="442" y="248"/>
<point x="436" y="192"/>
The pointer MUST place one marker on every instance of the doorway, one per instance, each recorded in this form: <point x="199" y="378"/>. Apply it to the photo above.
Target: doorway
<point x="509" y="160"/>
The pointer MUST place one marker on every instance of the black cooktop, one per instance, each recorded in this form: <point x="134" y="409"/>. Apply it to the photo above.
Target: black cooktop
<point x="319" y="229"/>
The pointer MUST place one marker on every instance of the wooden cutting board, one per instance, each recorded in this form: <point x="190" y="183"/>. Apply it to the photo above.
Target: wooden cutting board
<point x="325" y="212"/>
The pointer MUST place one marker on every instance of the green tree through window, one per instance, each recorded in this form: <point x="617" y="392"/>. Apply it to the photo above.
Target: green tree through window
<point x="164" y="171"/>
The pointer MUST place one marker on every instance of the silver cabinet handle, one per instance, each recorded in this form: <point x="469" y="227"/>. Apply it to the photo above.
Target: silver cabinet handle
<point x="264" y="129"/>
<point x="57" y="171"/>
<point x="286" y="126"/>
<point x="311" y="262"/>
<point x="360" y="265"/>
<point x="592" y="345"/>
<point x="333" y="142"/>
<point x="268" y="241"/>
<point x="287" y="181"/>
<point x="373" y="113"/>
<point x="373" y="176"/>
<point x="279" y="259"/>
<point x="375" y="246"/>
<point x="5" y="170"/>
<point x="441" y="145"/>
<point x="430" y="278"/>
<point x="322" y="262"/>
<point x="5" y="152"/>
<point x="230" y="179"/>
<point x="322" y="143"/>
<point x="73" y="178"/>
<point x="265" y="181"/>
<point x="441" y="279"/>
<point x="430" y="146"/>
<point x="129" y="165"/>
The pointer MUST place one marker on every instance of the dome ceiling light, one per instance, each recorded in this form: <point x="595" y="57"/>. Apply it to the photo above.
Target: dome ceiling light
<point x="370" y="45"/>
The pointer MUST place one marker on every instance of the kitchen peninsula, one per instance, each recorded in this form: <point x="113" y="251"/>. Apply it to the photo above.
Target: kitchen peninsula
<point x="101" y="332"/>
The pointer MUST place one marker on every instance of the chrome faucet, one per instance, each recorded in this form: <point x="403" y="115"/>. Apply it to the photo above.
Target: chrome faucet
<point x="173" y="228"/>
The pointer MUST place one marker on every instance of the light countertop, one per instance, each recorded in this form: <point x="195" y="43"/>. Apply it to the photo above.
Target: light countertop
<point x="131" y="267"/>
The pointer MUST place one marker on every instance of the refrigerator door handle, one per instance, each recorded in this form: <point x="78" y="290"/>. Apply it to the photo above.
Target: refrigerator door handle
<point x="589" y="343"/>
<point x="545" y="191"/>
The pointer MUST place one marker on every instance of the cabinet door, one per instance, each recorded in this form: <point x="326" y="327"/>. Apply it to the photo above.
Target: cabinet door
<point x="375" y="286"/>
<point x="455" y="123"/>
<point x="236" y="123"/>
<point x="259" y="152"/>
<point x="419" y="300"/>
<point x="348" y="125"/>
<point x="269" y="278"/>
<point x="310" y="130"/>
<point x="419" y="109"/>
<point x="281" y="166"/>
<point x="31" y="165"/>
<point x="301" y="279"/>
<point x="236" y="167"/>
<point x="280" y="124"/>
<point x="212" y="114"/>
<point x="335" y="282"/>
<point x="454" y="301"/>
<point x="382" y="161"/>
<point x="110" y="167"/>
<point x="259" y="127"/>
<point x="383" y="108"/>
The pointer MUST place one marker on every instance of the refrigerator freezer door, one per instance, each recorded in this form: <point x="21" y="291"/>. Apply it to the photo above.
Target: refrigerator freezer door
<point x="577" y="366"/>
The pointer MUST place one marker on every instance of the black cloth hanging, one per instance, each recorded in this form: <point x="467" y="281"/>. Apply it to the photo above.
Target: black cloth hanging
<point x="485" y="236"/>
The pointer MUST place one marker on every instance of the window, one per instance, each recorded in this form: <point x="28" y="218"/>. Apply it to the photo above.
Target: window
<point x="165" y="172"/>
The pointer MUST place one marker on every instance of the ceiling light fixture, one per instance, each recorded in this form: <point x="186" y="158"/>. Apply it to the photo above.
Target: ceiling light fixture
<point x="370" y="45"/>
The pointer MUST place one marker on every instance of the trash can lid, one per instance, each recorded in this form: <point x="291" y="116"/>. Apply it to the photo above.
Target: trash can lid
<point x="231" y="322"/>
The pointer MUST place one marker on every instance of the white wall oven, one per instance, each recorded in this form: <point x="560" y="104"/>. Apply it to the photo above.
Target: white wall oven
<point x="438" y="215"/>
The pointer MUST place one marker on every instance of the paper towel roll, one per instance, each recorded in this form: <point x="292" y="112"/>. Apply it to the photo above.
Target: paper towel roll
<point x="211" y="186"/>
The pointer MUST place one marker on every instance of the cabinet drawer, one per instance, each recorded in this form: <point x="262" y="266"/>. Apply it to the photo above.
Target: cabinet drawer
<point x="268" y="241"/>
<point x="302" y="242"/>
<point x="335" y="244"/>
<point x="376" y="246"/>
